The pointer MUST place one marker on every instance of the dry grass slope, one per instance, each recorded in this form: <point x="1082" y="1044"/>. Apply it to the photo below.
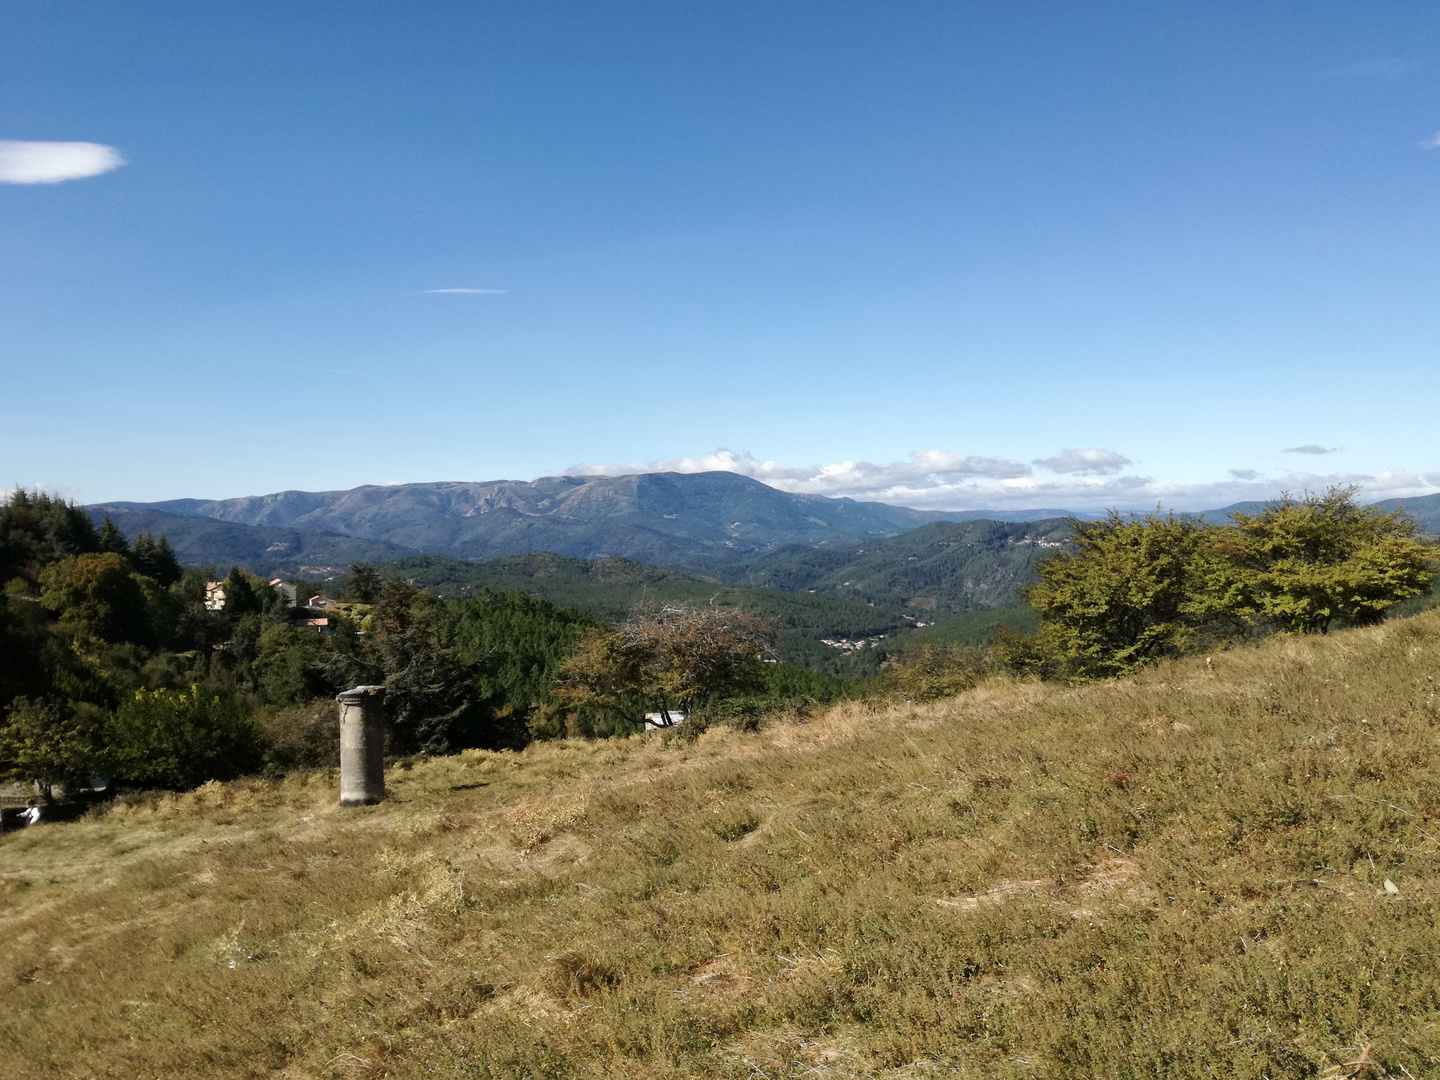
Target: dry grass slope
<point x="1179" y="875"/>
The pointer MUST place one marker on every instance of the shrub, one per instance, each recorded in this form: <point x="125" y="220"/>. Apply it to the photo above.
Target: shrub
<point x="1299" y="565"/>
<point x="936" y="671"/>
<point x="178" y="740"/>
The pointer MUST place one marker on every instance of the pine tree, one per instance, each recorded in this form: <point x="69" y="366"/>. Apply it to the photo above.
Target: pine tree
<point x="142" y="554"/>
<point x="241" y="597"/>
<point x="112" y="539"/>
<point x="167" y="566"/>
<point x="37" y="528"/>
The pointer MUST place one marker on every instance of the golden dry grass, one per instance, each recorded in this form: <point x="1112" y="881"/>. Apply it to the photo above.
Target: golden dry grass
<point x="1177" y="875"/>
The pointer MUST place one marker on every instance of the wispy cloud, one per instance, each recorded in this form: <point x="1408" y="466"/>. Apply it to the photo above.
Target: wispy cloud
<point x="1085" y="462"/>
<point x="465" y="292"/>
<point x="945" y="480"/>
<point x="52" y="162"/>
<point x="1311" y="448"/>
<point x="1431" y="143"/>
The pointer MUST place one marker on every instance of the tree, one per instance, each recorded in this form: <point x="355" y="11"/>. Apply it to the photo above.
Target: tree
<point x="241" y="598"/>
<point x="177" y="740"/>
<point x="292" y="664"/>
<point x="364" y="583"/>
<point x="162" y="565"/>
<point x="935" y="671"/>
<point x="1118" y="598"/>
<point x="433" y="699"/>
<point x="1301" y="564"/>
<point x="156" y="559"/>
<point x="42" y="743"/>
<point x="677" y="659"/>
<point x="37" y="529"/>
<point x="111" y="538"/>
<point x="99" y="594"/>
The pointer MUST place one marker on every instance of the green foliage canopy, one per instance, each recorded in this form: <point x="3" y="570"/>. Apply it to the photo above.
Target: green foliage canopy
<point x="178" y="739"/>
<point x="1137" y="589"/>
<point x="1117" y="599"/>
<point x="98" y="594"/>
<point x="1300" y="564"/>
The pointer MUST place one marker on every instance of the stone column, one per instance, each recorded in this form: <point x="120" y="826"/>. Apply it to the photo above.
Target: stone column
<point x="362" y="745"/>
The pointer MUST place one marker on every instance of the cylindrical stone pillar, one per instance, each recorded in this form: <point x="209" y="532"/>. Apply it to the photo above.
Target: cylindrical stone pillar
<point x="362" y="745"/>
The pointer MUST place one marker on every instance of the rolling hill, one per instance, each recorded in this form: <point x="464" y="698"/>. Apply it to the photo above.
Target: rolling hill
<point x="1425" y="510"/>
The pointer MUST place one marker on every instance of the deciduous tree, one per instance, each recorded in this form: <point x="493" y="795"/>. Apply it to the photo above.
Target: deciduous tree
<point x="1117" y="598"/>
<point x="43" y="743"/>
<point x="676" y="659"/>
<point x="177" y="739"/>
<point x="99" y="594"/>
<point x="1300" y="564"/>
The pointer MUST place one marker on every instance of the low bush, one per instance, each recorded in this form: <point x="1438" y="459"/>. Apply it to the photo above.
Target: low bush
<point x="935" y="671"/>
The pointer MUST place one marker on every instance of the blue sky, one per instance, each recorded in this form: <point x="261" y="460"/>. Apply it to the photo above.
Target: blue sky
<point x="949" y="255"/>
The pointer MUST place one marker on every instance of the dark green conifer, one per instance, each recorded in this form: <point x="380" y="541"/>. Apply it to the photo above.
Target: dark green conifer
<point x="240" y="597"/>
<point x="142" y="554"/>
<point x="167" y="566"/>
<point x="112" y="539"/>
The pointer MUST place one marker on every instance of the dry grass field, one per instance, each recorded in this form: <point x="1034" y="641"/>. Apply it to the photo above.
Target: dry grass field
<point x="1179" y="875"/>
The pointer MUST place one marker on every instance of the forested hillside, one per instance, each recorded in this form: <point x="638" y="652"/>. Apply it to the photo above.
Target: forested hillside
<point x="945" y="568"/>
<point x="265" y="549"/>
<point x="609" y="589"/>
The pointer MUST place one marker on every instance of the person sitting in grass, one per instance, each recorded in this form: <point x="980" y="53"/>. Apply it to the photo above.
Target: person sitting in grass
<point x="31" y="814"/>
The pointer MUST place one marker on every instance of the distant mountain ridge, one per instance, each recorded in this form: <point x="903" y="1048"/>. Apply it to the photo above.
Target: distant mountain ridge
<point x="698" y="522"/>
<point x="657" y="518"/>
<point x="200" y="541"/>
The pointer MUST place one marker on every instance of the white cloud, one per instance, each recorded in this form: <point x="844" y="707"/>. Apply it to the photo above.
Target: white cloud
<point x="467" y="292"/>
<point x="924" y="470"/>
<point x="1431" y="143"/>
<point x="52" y="162"/>
<point x="1311" y="448"/>
<point x="944" y="480"/>
<point x="1085" y="462"/>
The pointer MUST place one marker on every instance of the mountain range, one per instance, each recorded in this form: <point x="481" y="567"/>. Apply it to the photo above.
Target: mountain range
<point x="665" y="519"/>
<point x="698" y="522"/>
